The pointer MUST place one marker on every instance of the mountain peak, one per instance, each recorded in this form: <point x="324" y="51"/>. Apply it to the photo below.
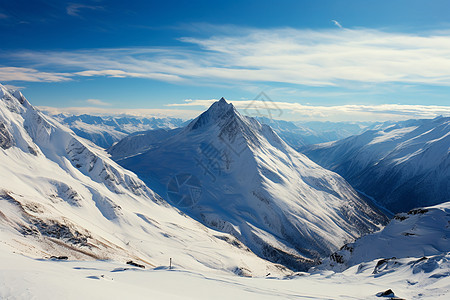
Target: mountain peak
<point x="219" y="110"/>
<point x="220" y="106"/>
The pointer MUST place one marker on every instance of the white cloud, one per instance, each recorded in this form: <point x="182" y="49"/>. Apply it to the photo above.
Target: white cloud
<point x="124" y="74"/>
<point x="31" y="75"/>
<point x="290" y="111"/>
<point x="321" y="58"/>
<point x="74" y="9"/>
<point x="97" y="102"/>
<point x="3" y="16"/>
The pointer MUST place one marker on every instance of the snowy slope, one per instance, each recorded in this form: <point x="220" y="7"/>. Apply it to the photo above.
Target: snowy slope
<point x="61" y="195"/>
<point x="244" y="180"/>
<point x="403" y="166"/>
<point x="420" y="233"/>
<point x="104" y="131"/>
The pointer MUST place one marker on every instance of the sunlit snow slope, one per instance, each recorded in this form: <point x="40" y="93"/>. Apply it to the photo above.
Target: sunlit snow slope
<point x="62" y="196"/>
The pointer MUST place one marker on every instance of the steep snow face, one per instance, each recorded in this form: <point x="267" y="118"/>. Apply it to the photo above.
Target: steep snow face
<point x="237" y="176"/>
<point x="61" y="195"/>
<point x="104" y="131"/>
<point x="421" y="232"/>
<point x="404" y="166"/>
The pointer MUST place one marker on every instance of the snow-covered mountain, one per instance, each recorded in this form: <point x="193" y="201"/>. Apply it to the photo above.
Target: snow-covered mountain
<point x="419" y="233"/>
<point x="60" y="195"/>
<point x="403" y="166"/>
<point x="236" y="175"/>
<point x="104" y="131"/>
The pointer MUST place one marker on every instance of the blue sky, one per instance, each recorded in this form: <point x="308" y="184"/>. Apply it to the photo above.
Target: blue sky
<point x="316" y="60"/>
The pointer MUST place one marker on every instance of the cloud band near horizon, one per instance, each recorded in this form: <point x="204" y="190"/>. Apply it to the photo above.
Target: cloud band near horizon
<point x="359" y="112"/>
<point x="289" y="111"/>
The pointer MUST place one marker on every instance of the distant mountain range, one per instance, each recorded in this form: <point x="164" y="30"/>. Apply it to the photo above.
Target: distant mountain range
<point x="402" y="166"/>
<point x="104" y="131"/>
<point x="299" y="134"/>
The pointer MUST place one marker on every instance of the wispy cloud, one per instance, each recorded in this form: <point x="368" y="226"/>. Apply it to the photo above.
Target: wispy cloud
<point x="123" y="74"/>
<point x="97" y="102"/>
<point x="31" y="75"/>
<point x="74" y="9"/>
<point x="336" y="23"/>
<point x="297" y="111"/>
<point x="335" y="57"/>
<point x="3" y="16"/>
<point x="290" y="111"/>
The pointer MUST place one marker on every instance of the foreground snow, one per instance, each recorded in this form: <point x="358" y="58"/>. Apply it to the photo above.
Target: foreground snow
<point x="26" y="278"/>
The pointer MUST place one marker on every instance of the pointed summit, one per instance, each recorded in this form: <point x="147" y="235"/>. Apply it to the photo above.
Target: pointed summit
<point x="220" y="106"/>
<point x="218" y="111"/>
<point x="222" y="103"/>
